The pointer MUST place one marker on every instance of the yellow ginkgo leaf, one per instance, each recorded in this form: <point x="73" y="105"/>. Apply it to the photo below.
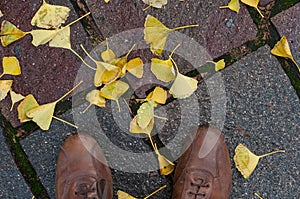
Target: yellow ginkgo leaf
<point x="94" y="98"/>
<point x="50" y="16"/>
<point x="163" y="69"/>
<point x="41" y="37"/>
<point x="159" y="95"/>
<point x="62" y="39"/>
<point x="246" y="161"/>
<point x="42" y="115"/>
<point x="165" y="165"/>
<point x="123" y="195"/>
<point x="5" y="86"/>
<point x="233" y="5"/>
<point x="145" y="114"/>
<point x="254" y="4"/>
<point x="104" y="76"/>
<point x="135" y="67"/>
<point x="15" y="97"/>
<point x="183" y="86"/>
<point x="28" y="103"/>
<point x="282" y="49"/>
<point x="11" y="66"/>
<point x="10" y="33"/>
<point x="155" y="3"/>
<point x="135" y="128"/>
<point x="218" y="65"/>
<point x="108" y="55"/>
<point x="114" y="91"/>
<point x="156" y="34"/>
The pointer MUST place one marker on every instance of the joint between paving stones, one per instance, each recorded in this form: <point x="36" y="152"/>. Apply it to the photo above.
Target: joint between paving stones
<point x="23" y="164"/>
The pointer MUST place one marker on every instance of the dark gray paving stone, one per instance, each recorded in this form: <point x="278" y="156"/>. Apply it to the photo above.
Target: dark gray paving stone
<point x="12" y="183"/>
<point x="42" y="148"/>
<point x="219" y="29"/>
<point x="263" y="114"/>
<point x="287" y="23"/>
<point x="47" y="72"/>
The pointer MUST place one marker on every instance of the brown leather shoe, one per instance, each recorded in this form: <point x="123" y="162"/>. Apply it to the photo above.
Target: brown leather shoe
<point x="204" y="170"/>
<point x="79" y="173"/>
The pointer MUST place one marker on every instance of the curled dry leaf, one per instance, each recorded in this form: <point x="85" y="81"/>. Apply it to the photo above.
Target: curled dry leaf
<point x="10" y="33"/>
<point x="5" y="86"/>
<point x="50" y="16"/>
<point x="15" y="97"/>
<point x="11" y="66"/>
<point x="233" y="5"/>
<point x="282" y="49"/>
<point x="28" y="103"/>
<point x="254" y="4"/>
<point x="246" y="161"/>
<point x="156" y="34"/>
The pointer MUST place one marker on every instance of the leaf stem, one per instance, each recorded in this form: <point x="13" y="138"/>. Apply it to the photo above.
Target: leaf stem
<point x="152" y="143"/>
<point x="223" y="6"/>
<point x="158" y="190"/>
<point x="256" y="194"/>
<point x="66" y="122"/>
<point x="75" y="53"/>
<point x="150" y="5"/>
<point x="70" y="91"/>
<point x="87" y="108"/>
<point x="260" y="13"/>
<point x="183" y="27"/>
<point x="85" y="51"/>
<point x="292" y="60"/>
<point x="159" y="117"/>
<point x="74" y="21"/>
<point x="2" y="75"/>
<point x="273" y="152"/>
<point x="177" y="70"/>
<point x="131" y="49"/>
<point x="174" y="50"/>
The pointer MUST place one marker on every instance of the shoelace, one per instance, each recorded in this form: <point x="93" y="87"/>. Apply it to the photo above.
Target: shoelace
<point x="84" y="190"/>
<point x="199" y="185"/>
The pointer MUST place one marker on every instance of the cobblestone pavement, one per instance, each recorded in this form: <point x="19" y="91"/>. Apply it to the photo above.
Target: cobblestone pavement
<point x="254" y="100"/>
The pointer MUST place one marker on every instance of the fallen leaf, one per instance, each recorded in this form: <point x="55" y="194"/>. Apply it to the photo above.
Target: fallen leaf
<point x="42" y="115"/>
<point x="233" y="5"/>
<point x="62" y="39"/>
<point x="183" y="86"/>
<point x="135" y="128"/>
<point x="15" y="97"/>
<point x="94" y="98"/>
<point x="135" y="67"/>
<point x="5" y="86"/>
<point x="41" y="37"/>
<point x="11" y="66"/>
<point x="158" y="95"/>
<point x="254" y="4"/>
<point x="165" y="165"/>
<point x="145" y="114"/>
<point x="114" y="91"/>
<point x="218" y="65"/>
<point x="246" y="161"/>
<point x="156" y="34"/>
<point x="282" y="49"/>
<point x="10" y="33"/>
<point x="28" y="103"/>
<point x="155" y="3"/>
<point x="123" y="195"/>
<point x="50" y="16"/>
<point x="108" y="55"/>
<point x="105" y="76"/>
